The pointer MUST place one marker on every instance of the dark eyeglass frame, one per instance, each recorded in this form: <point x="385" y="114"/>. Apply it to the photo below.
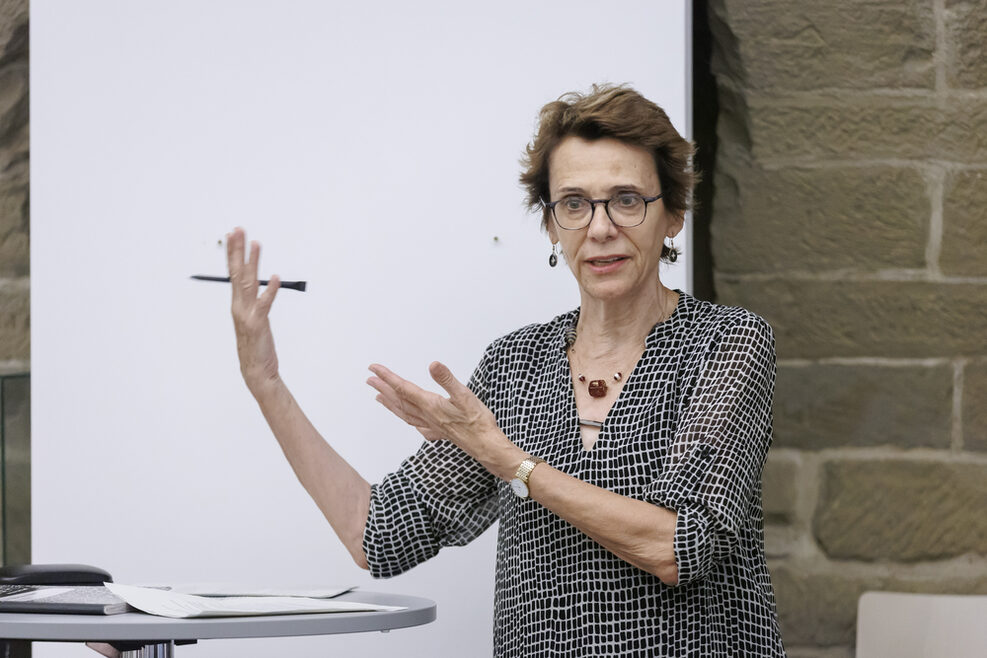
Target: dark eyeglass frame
<point x="606" y="206"/>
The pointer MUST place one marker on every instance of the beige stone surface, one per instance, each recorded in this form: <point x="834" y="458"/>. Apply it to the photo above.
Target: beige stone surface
<point x="15" y="323"/>
<point x="780" y="488"/>
<point x="974" y="410"/>
<point x="820" y="406"/>
<point x="817" y="603"/>
<point x="966" y="27"/>
<point x="964" y="235"/>
<point x="869" y="127"/>
<point x="902" y="510"/>
<point x="16" y="392"/>
<point x="13" y="98"/>
<point x="819" y="652"/>
<point x="863" y="218"/>
<point x="13" y="27"/>
<point x="834" y="135"/>
<point x="785" y="45"/>
<point x="14" y="230"/>
<point x="904" y="319"/>
<point x="816" y="608"/>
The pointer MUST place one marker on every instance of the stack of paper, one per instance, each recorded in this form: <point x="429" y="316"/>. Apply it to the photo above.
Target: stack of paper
<point x="178" y="605"/>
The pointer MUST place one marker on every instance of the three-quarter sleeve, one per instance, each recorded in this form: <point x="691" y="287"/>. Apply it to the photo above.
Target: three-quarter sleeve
<point x="711" y="474"/>
<point x="440" y="496"/>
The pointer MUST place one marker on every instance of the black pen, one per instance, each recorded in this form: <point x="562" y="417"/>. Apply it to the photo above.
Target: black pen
<point x="294" y="285"/>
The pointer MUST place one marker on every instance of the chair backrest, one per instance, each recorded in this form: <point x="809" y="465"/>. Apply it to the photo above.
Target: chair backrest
<point x="896" y="625"/>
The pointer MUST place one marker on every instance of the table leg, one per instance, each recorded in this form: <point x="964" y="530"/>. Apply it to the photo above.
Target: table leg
<point x="159" y="650"/>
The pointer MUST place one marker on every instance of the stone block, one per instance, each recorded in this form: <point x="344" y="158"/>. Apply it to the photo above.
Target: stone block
<point x="14" y="231"/>
<point x="898" y="319"/>
<point x="901" y="510"/>
<point x="862" y="218"/>
<point x="816" y="608"/>
<point x="16" y="392"/>
<point x="817" y="603"/>
<point x="15" y="156"/>
<point x="868" y="127"/>
<point x="15" y="323"/>
<point x="13" y="29"/>
<point x="966" y="27"/>
<point x="14" y="107"/>
<point x="820" y="406"/>
<point x="781" y="540"/>
<point x="815" y="652"/>
<point x="964" y="235"/>
<point x="780" y="489"/>
<point x="974" y="410"/>
<point x="785" y="45"/>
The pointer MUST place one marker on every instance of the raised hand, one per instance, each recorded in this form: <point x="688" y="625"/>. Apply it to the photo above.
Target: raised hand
<point x="254" y="340"/>
<point x="460" y="418"/>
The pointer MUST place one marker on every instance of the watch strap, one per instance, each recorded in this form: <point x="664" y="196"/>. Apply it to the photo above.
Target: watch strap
<point x="528" y="465"/>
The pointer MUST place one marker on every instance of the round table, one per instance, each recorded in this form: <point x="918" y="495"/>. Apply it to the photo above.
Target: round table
<point x="156" y="637"/>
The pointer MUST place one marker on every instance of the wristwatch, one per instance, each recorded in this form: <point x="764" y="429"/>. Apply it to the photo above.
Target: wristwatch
<point x="520" y="482"/>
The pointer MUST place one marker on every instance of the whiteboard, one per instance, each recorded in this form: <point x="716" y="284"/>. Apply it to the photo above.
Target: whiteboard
<point x="373" y="150"/>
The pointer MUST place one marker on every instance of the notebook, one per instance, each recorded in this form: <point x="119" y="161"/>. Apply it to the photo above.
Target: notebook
<point x="73" y="599"/>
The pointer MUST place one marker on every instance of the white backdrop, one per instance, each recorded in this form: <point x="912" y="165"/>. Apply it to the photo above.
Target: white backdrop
<point x="373" y="149"/>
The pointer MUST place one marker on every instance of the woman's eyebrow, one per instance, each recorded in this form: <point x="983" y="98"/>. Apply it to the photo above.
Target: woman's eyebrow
<point x="571" y="190"/>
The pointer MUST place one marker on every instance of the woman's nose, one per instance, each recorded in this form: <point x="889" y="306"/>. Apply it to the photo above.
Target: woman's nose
<point x="600" y="225"/>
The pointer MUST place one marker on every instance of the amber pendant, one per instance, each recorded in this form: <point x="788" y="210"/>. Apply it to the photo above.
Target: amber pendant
<point x="597" y="388"/>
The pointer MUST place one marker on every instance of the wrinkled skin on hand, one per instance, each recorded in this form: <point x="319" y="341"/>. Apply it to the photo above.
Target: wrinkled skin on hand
<point x="254" y="340"/>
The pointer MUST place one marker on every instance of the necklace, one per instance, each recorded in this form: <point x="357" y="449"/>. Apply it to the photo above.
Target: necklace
<point x="598" y="388"/>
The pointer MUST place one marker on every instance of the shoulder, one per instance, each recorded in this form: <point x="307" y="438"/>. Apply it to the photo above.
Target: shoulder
<point x="533" y="339"/>
<point x="712" y="324"/>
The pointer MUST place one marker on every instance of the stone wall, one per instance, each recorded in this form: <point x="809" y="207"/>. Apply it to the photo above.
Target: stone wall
<point x="15" y="339"/>
<point x="15" y="301"/>
<point x="850" y="210"/>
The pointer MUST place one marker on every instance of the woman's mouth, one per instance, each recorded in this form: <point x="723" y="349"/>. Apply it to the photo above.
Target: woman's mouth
<point x="606" y="263"/>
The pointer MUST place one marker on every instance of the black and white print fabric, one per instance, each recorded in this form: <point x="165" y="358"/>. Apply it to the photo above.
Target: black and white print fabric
<point x="689" y="432"/>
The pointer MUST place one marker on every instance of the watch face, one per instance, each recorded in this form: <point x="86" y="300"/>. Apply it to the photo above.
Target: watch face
<point x="519" y="487"/>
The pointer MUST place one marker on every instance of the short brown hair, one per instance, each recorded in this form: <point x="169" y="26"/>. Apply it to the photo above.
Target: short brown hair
<point x="617" y="112"/>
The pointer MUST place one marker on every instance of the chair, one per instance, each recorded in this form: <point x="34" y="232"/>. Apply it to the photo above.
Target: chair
<point x="897" y="625"/>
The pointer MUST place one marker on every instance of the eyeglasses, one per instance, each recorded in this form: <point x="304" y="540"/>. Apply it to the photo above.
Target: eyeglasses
<point x="625" y="210"/>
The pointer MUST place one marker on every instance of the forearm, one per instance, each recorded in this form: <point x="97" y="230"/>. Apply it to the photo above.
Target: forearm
<point x="340" y="492"/>
<point x="634" y="530"/>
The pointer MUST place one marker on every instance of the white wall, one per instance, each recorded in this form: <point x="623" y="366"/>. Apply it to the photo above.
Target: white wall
<point x="372" y="148"/>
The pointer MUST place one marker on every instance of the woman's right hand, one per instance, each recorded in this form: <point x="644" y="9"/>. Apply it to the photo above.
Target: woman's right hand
<point x="254" y="340"/>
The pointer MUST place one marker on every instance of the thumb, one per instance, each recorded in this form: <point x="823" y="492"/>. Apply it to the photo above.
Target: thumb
<point x="444" y="378"/>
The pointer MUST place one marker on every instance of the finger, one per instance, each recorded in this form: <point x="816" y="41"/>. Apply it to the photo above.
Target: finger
<point x="395" y="408"/>
<point x="402" y="387"/>
<point x="267" y="297"/>
<point x="406" y="408"/>
<point x="444" y="378"/>
<point x="234" y="253"/>
<point x="248" y="282"/>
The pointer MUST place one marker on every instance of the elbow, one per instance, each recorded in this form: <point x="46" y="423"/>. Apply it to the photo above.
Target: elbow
<point x="666" y="569"/>
<point x="668" y="574"/>
<point x="361" y="561"/>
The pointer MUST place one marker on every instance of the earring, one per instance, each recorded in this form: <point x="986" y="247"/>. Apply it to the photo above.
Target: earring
<point x="553" y="260"/>
<point x="673" y="255"/>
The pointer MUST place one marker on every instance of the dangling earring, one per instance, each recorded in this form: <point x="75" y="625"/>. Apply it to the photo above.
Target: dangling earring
<point x="553" y="260"/>
<point x="673" y="255"/>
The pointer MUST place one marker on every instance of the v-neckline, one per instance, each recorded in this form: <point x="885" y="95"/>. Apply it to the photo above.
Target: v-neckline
<point x="658" y="330"/>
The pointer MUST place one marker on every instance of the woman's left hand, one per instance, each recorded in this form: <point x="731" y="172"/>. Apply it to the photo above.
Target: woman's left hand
<point x="460" y="418"/>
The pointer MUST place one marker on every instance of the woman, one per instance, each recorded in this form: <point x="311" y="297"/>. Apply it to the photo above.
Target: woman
<point x="619" y="445"/>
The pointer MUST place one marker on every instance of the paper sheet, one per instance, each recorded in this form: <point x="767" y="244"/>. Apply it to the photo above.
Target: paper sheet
<point x="235" y="589"/>
<point x="184" y="606"/>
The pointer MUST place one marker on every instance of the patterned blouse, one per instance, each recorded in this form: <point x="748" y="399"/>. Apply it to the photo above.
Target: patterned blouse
<point x="689" y="432"/>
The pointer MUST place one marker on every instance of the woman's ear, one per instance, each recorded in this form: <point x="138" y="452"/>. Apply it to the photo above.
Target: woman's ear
<point x="675" y="224"/>
<point x="553" y="233"/>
